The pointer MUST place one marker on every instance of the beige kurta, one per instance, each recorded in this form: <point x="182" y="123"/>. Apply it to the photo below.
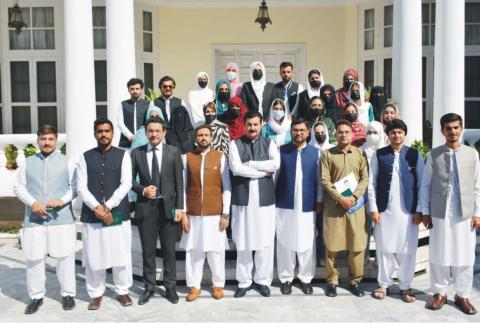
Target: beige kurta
<point x="343" y="231"/>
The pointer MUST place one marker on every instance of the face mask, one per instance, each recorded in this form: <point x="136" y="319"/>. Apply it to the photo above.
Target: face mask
<point x="278" y="114"/>
<point x="209" y="118"/>
<point x="257" y="74"/>
<point x="346" y="84"/>
<point x="355" y="95"/>
<point x="328" y="99"/>
<point x="202" y="83"/>
<point x="320" y="138"/>
<point x="316" y="112"/>
<point x="231" y="75"/>
<point x="373" y="138"/>
<point x="314" y="83"/>
<point x="235" y="112"/>
<point x="223" y="96"/>
<point x="351" y="117"/>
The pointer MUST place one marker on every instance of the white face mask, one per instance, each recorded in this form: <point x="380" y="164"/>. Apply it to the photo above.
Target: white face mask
<point x="373" y="138"/>
<point x="278" y="114"/>
<point x="231" y="75"/>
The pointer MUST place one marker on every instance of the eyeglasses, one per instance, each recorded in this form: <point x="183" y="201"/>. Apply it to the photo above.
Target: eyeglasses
<point x="167" y="86"/>
<point x="300" y="131"/>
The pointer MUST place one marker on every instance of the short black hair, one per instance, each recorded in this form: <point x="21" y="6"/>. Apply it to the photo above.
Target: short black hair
<point x="341" y="122"/>
<point x="252" y="114"/>
<point x="203" y="126"/>
<point x="101" y="121"/>
<point x="286" y="64"/>
<point x="298" y="121"/>
<point x="47" y="129"/>
<point x="314" y="71"/>
<point x="396" y="124"/>
<point x="450" y="117"/>
<point x="156" y="120"/>
<point x="166" y="78"/>
<point x="134" y="81"/>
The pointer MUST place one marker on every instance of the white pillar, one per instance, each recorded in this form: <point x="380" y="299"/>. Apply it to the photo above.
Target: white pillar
<point x="407" y="64"/>
<point x="120" y="55"/>
<point x="449" y="70"/>
<point x="79" y="77"/>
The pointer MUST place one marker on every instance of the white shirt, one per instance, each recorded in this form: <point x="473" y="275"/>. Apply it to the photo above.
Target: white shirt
<point x="158" y="153"/>
<point x="118" y="194"/>
<point x="121" y="122"/>
<point x="254" y="169"/>
<point x="21" y="186"/>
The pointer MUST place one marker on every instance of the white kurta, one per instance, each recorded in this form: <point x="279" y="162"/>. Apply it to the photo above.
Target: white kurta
<point x="253" y="226"/>
<point x="204" y="233"/>
<point x="396" y="233"/>
<point x="452" y="240"/>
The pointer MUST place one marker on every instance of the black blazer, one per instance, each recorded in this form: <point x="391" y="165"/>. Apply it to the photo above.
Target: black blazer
<point x="250" y="99"/>
<point x="171" y="179"/>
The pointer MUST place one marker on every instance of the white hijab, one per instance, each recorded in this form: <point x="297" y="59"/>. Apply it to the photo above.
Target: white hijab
<point x="259" y="85"/>
<point x="312" y="92"/>
<point x="363" y="108"/>
<point x="370" y="146"/>
<point x="197" y="98"/>
<point x="313" y="141"/>
<point x="279" y="129"/>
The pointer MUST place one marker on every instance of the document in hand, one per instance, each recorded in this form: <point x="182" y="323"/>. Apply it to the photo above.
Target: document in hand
<point x="346" y="187"/>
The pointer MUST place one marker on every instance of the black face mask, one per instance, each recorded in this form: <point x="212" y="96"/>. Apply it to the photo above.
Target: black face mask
<point x="355" y="95"/>
<point x="346" y="84"/>
<point x="320" y="138"/>
<point x="257" y="74"/>
<point x="328" y="98"/>
<point x="209" y="118"/>
<point x="316" y="112"/>
<point x="235" y="112"/>
<point x="223" y="96"/>
<point x="315" y="83"/>
<point x="202" y="84"/>
<point x="351" y="117"/>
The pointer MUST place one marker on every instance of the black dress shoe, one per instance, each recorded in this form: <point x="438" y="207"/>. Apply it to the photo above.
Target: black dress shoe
<point x="356" y="290"/>
<point x="306" y="288"/>
<point x="68" y="302"/>
<point x="172" y="295"/>
<point x="263" y="290"/>
<point x="34" y="306"/>
<point x="286" y="288"/>
<point x="242" y="291"/>
<point x="145" y="297"/>
<point x="331" y="290"/>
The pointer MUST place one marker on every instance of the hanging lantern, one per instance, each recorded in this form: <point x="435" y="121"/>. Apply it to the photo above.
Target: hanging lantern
<point x="262" y="16"/>
<point x="15" y="19"/>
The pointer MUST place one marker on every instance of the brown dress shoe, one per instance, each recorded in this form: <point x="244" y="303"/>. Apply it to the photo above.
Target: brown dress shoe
<point x="193" y="294"/>
<point x="95" y="303"/>
<point x="217" y="292"/>
<point x="465" y="306"/>
<point x="436" y="302"/>
<point x="124" y="300"/>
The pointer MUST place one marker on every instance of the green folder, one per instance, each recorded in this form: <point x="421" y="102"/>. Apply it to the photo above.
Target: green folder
<point x="117" y="219"/>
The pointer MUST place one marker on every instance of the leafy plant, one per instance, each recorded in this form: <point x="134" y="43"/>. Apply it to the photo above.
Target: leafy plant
<point x="421" y="147"/>
<point x="11" y="153"/>
<point x="10" y="229"/>
<point x="477" y="146"/>
<point x="152" y="94"/>
<point x="29" y="150"/>
<point x="63" y="149"/>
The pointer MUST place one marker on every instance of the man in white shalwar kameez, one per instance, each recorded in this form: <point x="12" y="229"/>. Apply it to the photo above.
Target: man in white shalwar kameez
<point x="207" y="194"/>
<point x="393" y="191"/>
<point x="298" y="198"/>
<point x="253" y="160"/>
<point x="104" y="179"/>
<point x="46" y="186"/>
<point x="450" y="203"/>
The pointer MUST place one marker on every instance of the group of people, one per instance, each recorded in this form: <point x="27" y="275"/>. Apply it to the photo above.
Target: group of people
<point x="262" y="164"/>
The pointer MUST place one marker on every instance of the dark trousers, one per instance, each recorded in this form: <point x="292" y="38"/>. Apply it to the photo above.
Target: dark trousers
<point x="319" y="239"/>
<point x="150" y="229"/>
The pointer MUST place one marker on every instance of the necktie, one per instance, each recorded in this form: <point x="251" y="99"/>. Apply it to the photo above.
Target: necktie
<point x="155" y="169"/>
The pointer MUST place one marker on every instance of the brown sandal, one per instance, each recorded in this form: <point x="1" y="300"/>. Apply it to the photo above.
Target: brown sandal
<point x="408" y="296"/>
<point x="380" y="293"/>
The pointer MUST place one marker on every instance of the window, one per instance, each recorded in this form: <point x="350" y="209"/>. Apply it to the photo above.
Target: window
<point x="46" y="82"/>
<point x="20" y="81"/>
<point x="147" y="32"/>
<point x="101" y="111"/>
<point x="101" y="88"/>
<point x="472" y="92"/>
<point x="387" y="77"/>
<point x="148" y="76"/>
<point x="388" y="26"/>
<point x="472" y="23"/>
<point x="21" y="122"/>
<point x="99" y="22"/>
<point x="39" y="33"/>
<point x="428" y="24"/>
<point x="47" y="115"/>
<point x="369" y="74"/>
<point x="369" y="29"/>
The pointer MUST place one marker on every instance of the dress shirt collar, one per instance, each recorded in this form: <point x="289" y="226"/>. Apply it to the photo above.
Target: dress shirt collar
<point x="158" y="147"/>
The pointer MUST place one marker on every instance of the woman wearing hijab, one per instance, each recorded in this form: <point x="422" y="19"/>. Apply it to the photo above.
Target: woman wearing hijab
<point x="232" y="74"/>
<point x="375" y="139"/>
<point x="222" y="94"/>
<point x="314" y="84"/>
<point x="327" y="93"/>
<point x="358" y="129"/>
<point x="181" y="132"/>
<point x="140" y="137"/>
<point x="220" y="137"/>
<point x="277" y="127"/>
<point x="389" y="113"/>
<point x="198" y="97"/>
<point x="343" y="94"/>
<point x="317" y="112"/>
<point x="365" y="109"/>
<point x="233" y="118"/>
<point x="258" y="94"/>
<point x="378" y="99"/>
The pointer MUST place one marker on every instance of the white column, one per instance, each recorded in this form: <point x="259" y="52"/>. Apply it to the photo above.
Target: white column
<point x="449" y="70"/>
<point x="120" y="55"/>
<point x="407" y="64"/>
<point x="79" y="77"/>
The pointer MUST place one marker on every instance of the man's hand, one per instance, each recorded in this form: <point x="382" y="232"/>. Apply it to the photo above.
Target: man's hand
<point x="427" y="221"/>
<point x="224" y="221"/>
<point x="150" y="192"/>
<point x="53" y="203"/>
<point x="100" y="212"/>
<point x="475" y="223"/>
<point x="179" y="215"/>
<point x="318" y="208"/>
<point x="108" y="218"/>
<point x="130" y="138"/>
<point x="185" y="224"/>
<point x="39" y="209"/>
<point x="347" y="202"/>
<point x="417" y="218"/>
<point x="376" y="218"/>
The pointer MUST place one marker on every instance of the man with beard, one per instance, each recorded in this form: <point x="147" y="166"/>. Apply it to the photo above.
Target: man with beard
<point x="378" y="99"/>
<point x="208" y="191"/>
<point x="104" y="179"/>
<point x="131" y="113"/>
<point x="253" y="159"/>
<point x="287" y="89"/>
<point x="327" y="93"/>
<point x="343" y="94"/>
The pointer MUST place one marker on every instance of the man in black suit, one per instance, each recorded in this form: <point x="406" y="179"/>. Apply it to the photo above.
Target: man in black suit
<point x="159" y="205"/>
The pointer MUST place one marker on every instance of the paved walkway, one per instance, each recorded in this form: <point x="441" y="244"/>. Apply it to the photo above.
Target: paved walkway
<point x="253" y="307"/>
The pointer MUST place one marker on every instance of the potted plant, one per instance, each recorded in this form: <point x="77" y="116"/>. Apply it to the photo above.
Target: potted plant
<point x="29" y="150"/>
<point x="11" y="153"/>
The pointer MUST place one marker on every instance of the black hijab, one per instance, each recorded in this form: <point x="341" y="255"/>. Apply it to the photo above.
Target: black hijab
<point x="378" y="99"/>
<point x="181" y="132"/>
<point x="332" y="108"/>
